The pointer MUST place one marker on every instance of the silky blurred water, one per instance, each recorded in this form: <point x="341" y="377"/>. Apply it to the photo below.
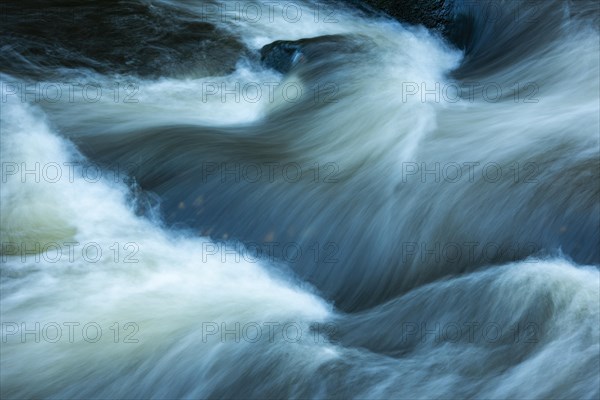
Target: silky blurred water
<point x="396" y="217"/>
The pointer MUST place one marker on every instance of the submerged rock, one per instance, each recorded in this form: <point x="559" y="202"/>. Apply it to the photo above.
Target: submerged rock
<point x="127" y="37"/>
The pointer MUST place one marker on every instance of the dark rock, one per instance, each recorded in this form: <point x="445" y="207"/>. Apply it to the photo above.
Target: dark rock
<point x="433" y="14"/>
<point x="122" y="37"/>
<point x="284" y="55"/>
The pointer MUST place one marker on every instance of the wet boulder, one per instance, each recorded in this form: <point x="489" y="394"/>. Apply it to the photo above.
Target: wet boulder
<point x="40" y="39"/>
<point x="285" y="55"/>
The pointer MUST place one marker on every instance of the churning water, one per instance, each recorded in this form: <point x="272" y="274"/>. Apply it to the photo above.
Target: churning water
<point x="392" y="215"/>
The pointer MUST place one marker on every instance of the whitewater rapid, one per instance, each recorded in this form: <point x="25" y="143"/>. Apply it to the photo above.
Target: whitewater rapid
<point x="446" y="247"/>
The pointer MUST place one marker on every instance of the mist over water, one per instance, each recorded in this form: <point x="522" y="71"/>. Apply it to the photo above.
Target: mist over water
<point x="366" y="210"/>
